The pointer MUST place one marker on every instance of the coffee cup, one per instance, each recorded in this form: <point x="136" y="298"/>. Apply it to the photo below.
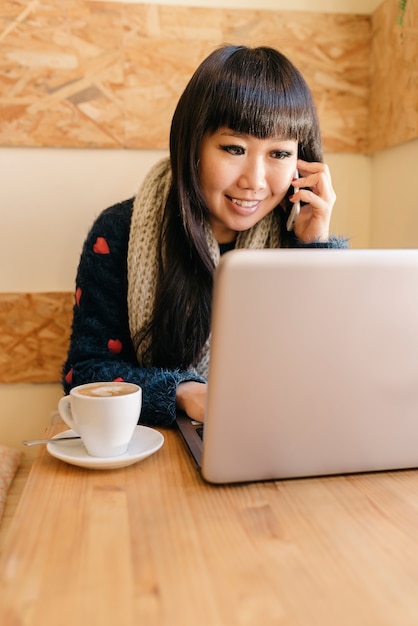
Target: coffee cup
<point x="104" y="414"/>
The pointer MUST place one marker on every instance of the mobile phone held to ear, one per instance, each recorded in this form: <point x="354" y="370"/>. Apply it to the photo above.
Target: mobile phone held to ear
<point x="294" y="212"/>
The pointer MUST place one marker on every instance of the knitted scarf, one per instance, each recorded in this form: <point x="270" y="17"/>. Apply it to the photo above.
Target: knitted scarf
<point x="143" y="252"/>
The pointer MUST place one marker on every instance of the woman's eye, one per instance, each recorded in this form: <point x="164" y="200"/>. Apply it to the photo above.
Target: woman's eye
<point x="232" y="149"/>
<point x="281" y="154"/>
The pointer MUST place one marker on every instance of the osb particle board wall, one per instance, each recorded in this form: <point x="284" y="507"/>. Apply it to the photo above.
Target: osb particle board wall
<point x="394" y="74"/>
<point x="103" y="74"/>
<point x="34" y="336"/>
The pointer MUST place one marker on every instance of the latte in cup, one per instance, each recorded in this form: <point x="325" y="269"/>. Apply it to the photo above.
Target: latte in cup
<point x="104" y="414"/>
<point x="105" y="390"/>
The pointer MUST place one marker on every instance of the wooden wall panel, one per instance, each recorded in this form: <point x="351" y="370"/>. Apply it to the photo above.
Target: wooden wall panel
<point x="394" y="69"/>
<point x="34" y="336"/>
<point x="102" y="74"/>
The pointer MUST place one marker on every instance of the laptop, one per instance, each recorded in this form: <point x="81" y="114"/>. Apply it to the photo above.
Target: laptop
<point x="313" y="368"/>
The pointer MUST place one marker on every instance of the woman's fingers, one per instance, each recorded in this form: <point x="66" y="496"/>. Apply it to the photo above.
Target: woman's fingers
<point x="314" y="189"/>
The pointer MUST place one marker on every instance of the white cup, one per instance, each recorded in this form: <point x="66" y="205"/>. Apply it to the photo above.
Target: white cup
<point x="104" y="414"/>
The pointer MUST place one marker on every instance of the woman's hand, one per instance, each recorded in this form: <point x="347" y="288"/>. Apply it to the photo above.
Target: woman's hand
<point x="191" y="398"/>
<point x="314" y="187"/>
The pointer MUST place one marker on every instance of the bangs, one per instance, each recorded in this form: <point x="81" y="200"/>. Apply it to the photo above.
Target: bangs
<point x="255" y="96"/>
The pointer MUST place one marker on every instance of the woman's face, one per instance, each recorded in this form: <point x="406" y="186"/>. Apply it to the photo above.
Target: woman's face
<point x="243" y="178"/>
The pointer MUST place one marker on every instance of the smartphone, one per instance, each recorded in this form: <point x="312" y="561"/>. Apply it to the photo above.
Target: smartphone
<point x="294" y="212"/>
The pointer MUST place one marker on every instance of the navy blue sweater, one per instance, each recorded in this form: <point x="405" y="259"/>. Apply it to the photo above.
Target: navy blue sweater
<point x="101" y="348"/>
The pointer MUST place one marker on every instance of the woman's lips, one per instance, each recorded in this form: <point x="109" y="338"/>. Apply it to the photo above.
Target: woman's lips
<point x="244" y="207"/>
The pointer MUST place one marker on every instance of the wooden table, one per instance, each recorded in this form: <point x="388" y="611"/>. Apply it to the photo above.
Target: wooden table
<point x="152" y="544"/>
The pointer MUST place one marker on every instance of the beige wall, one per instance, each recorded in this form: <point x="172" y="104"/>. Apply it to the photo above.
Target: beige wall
<point x="50" y="197"/>
<point x="394" y="202"/>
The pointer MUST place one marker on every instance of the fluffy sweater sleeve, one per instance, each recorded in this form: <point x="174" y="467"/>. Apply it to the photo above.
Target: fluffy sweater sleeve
<point x="101" y="348"/>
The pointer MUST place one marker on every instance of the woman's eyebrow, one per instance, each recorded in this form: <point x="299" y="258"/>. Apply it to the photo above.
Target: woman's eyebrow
<point x="232" y="133"/>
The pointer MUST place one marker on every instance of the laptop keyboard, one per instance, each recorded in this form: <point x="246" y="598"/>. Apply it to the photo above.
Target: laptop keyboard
<point x="199" y="431"/>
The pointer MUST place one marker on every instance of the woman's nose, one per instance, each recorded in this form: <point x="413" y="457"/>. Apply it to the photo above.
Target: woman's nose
<point x="253" y="175"/>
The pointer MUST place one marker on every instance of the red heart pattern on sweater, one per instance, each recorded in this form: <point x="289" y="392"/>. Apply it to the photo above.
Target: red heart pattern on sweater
<point x="69" y="377"/>
<point x="101" y="246"/>
<point x="114" y="345"/>
<point x="78" y="293"/>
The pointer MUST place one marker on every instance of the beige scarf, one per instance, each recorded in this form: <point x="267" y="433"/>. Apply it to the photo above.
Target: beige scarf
<point x="143" y="252"/>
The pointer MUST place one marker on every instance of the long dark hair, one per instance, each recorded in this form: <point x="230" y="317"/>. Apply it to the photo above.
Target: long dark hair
<point x="255" y="91"/>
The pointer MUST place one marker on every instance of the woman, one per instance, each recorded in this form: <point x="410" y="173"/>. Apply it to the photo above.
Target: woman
<point x="242" y="130"/>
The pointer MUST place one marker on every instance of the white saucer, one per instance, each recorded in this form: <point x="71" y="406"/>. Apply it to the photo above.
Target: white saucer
<point x="145" y="441"/>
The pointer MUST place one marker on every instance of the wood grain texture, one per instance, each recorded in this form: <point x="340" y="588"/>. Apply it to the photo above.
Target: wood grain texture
<point x="153" y="544"/>
<point x="13" y="497"/>
<point x="34" y="336"/>
<point x="108" y="75"/>
<point x="394" y="71"/>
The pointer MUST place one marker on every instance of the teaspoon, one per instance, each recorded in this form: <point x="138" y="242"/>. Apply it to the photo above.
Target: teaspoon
<point x="35" y="442"/>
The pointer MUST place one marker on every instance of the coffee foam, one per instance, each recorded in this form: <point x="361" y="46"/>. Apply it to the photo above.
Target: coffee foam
<point x="106" y="390"/>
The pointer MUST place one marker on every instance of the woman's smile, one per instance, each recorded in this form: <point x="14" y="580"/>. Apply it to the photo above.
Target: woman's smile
<point x="244" y="207"/>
